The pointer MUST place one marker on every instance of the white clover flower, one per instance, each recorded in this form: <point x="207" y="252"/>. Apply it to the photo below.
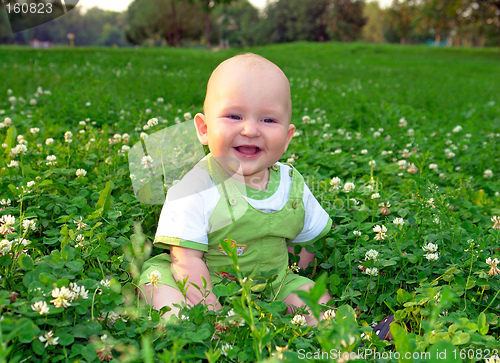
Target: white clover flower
<point x="34" y="130"/>
<point x="430" y="247"/>
<point x="117" y="138"/>
<point x="457" y="129"/>
<point x="51" y="160"/>
<point x="105" y="283"/>
<point x="398" y="222"/>
<point x="371" y="271"/>
<point x="432" y="256"/>
<point x="7" y="121"/>
<point x="49" y="141"/>
<point x="88" y="104"/>
<point x="30" y="184"/>
<point x="61" y="297"/>
<point x="7" y="220"/>
<point x="5" y="246"/>
<point x="78" y="291"/>
<point x="154" y="277"/>
<point x="335" y="182"/>
<point x="493" y="266"/>
<point x="82" y="123"/>
<point x="80" y="238"/>
<point x="349" y="187"/>
<point x="187" y="116"/>
<point x="6" y="202"/>
<point x="144" y="136"/>
<point x="364" y="152"/>
<point x="29" y="224"/>
<point x="147" y="161"/>
<point x="411" y="132"/>
<point x="19" y="149"/>
<point x="402" y="164"/>
<point x="13" y="164"/>
<point x="412" y="169"/>
<point x="125" y="138"/>
<point x="371" y="255"/>
<point x="22" y="241"/>
<point x="80" y="224"/>
<point x="488" y="174"/>
<point x="376" y="134"/>
<point x="381" y="232"/>
<point x="49" y="339"/>
<point x="125" y="148"/>
<point x="160" y="100"/>
<point x="357" y="233"/>
<point x="329" y="314"/>
<point x="449" y="154"/>
<point x="152" y="122"/>
<point x="493" y="359"/>
<point x="80" y="172"/>
<point x="33" y="102"/>
<point x="225" y="348"/>
<point x="375" y="196"/>
<point x="496" y="222"/>
<point x="41" y="307"/>
<point x="403" y="122"/>
<point x="299" y="320"/>
<point x="372" y="163"/>
<point x="433" y="167"/>
<point x="306" y="119"/>
<point x="68" y="136"/>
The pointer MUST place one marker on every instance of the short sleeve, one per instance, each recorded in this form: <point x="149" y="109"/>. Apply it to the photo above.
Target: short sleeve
<point x="317" y="222"/>
<point x="184" y="217"/>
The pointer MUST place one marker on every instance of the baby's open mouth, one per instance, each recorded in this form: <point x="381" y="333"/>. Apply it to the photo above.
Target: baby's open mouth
<point x="248" y="150"/>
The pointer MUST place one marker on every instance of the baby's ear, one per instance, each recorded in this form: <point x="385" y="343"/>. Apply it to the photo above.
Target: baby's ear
<point x="201" y="128"/>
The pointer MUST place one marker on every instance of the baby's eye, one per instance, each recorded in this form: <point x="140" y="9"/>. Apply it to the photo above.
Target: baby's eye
<point x="234" y="117"/>
<point x="268" y="120"/>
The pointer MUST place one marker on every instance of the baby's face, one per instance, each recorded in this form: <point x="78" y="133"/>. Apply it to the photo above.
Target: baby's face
<point x="247" y="118"/>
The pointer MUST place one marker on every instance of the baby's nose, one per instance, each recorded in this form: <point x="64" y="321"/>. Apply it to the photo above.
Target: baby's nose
<point x="250" y="128"/>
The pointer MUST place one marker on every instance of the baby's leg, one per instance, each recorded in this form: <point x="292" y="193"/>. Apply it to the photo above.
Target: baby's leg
<point x="293" y="301"/>
<point x="163" y="295"/>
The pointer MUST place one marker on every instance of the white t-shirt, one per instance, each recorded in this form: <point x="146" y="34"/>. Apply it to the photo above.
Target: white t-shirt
<point x="190" y="203"/>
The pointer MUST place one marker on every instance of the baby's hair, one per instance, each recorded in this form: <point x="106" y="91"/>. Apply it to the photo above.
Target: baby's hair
<point x="250" y="61"/>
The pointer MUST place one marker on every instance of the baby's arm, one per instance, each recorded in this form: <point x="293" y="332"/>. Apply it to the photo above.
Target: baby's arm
<point x="306" y="257"/>
<point x="187" y="262"/>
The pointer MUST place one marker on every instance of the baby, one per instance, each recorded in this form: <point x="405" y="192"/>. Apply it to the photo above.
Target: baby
<point x="239" y="190"/>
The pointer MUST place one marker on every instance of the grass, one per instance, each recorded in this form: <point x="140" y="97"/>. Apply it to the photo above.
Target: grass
<point x="428" y="118"/>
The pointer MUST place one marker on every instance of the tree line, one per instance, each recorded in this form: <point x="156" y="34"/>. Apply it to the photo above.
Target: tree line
<point x="238" y="23"/>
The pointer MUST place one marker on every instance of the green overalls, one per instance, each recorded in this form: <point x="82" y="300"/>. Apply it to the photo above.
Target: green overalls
<point x="261" y="238"/>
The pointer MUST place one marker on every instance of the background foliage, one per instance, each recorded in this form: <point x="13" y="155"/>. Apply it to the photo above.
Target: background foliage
<point x="238" y="23"/>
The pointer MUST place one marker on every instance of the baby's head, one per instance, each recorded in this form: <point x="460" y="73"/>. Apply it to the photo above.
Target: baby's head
<point x="248" y="65"/>
<point x="247" y="113"/>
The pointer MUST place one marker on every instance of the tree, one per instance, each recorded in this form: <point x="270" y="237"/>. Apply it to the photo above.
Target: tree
<point x="237" y="23"/>
<point x="439" y="17"/>
<point x="170" y="20"/>
<point x="208" y="6"/>
<point x="346" y="20"/>
<point x="373" y="31"/>
<point x="291" y="20"/>
<point x="400" y="20"/>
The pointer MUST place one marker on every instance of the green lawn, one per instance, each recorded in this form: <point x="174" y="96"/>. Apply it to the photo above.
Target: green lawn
<point x="428" y="118"/>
